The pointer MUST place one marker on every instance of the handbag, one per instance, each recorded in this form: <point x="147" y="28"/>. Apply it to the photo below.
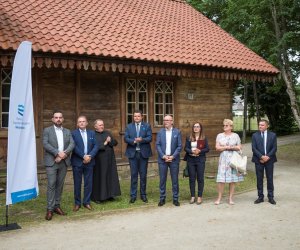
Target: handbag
<point x="238" y="162"/>
<point x="185" y="172"/>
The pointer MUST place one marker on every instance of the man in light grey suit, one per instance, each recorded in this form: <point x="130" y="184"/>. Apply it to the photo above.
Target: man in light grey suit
<point x="58" y="144"/>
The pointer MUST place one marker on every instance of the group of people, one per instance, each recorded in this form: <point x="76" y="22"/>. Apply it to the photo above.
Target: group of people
<point x="91" y="155"/>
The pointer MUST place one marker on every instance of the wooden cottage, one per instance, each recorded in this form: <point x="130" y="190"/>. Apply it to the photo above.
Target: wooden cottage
<point x="106" y="58"/>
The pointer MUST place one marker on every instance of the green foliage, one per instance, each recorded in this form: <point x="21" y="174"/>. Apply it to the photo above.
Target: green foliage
<point x="273" y="103"/>
<point x="253" y="24"/>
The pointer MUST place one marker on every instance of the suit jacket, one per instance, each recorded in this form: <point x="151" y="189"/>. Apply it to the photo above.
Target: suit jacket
<point x="78" y="151"/>
<point x="145" y="133"/>
<point x="51" y="145"/>
<point x="258" y="146"/>
<point x="188" y="150"/>
<point x="176" y="144"/>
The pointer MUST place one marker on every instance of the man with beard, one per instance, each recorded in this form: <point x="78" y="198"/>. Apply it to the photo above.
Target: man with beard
<point x="58" y="144"/>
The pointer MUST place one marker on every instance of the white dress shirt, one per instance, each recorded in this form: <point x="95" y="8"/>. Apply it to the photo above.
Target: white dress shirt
<point x="168" y="141"/>
<point x="60" y="138"/>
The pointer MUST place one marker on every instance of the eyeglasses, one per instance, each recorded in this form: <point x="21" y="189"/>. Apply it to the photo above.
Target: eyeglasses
<point x="197" y="126"/>
<point x="226" y="125"/>
<point x="168" y="120"/>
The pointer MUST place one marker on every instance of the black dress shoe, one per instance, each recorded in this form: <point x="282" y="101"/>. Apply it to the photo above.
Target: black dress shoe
<point x="272" y="201"/>
<point x="176" y="203"/>
<point x="132" y="200"/>
<point x="144" y="199"/>
<point x="259" y="200"/>
<point x="161" y="203"/>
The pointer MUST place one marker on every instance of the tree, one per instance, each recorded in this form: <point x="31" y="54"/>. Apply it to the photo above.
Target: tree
<point x="268" y="27"/>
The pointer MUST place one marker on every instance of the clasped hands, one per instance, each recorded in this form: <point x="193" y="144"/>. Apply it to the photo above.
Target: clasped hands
<point x="232" y="148"/>
<point x="137" y="139"/>
<point x="196" y="151"/>
<point x="168" y="158"/>
<point x="60" y="156"/>
<point x="108" y="139"/>
<point x="264" y="159"/>
<point x="87" y="159"/>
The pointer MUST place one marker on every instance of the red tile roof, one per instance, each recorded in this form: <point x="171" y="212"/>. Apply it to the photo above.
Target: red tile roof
<point x="153" y="30"/>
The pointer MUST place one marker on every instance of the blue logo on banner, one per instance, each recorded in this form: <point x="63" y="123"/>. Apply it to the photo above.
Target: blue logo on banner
<point x="21" y="109"/>
<point x="23" y="195"/>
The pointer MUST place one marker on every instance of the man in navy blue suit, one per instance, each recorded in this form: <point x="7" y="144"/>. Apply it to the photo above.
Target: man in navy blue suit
<point x="264" y="147"/>
<point x="168" y="146"/>
<point x="83" y="161"/>
<point x="138" y="136"/>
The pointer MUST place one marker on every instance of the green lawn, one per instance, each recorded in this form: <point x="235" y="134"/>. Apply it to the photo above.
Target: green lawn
<point x="238" y="123"/>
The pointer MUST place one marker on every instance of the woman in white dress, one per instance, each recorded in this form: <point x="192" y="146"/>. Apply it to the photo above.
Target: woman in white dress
<point x="226" y="143"/>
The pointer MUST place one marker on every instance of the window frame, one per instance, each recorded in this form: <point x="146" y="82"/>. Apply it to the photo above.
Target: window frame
<point x="4" y="75"/>
<point x="137" y="90"/>
<point x="149" y="116"/>
<point x="164" y="103"/>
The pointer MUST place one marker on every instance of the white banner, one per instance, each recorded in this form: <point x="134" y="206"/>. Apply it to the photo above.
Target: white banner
<point x="22" y="183"/>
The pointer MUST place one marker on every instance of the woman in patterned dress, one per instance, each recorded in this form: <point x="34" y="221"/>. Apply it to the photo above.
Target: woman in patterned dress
<point x="226" y="143"/>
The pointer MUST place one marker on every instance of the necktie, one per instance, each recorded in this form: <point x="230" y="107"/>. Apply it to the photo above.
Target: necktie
<point x="137" y="130"/>
<point x="264" y="142"/>
<point x="138" y="135"/>
<point x="84" y="138"/>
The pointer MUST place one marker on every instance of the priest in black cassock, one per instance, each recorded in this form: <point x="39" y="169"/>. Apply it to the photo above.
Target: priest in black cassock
<point x="106" y="184"/>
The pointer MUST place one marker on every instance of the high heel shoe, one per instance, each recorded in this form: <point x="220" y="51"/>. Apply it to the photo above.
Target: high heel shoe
<point x="192" y="201"/>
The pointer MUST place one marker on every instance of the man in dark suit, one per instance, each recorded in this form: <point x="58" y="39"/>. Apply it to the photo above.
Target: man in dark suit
<point x="58" y="145"/>
<point x="264" y="147"/>
<point x="83" y="161"/>
<point x="138" y="136"/>
<point x="168" y="146"/>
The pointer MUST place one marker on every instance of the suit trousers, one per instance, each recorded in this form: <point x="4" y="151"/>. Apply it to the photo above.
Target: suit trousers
<point x="56" y="177"/>
<point x="87" y="172"/>
<point x="138" y="166"/>
<point x="163" y="172"/>
<point x="196" y="169"/>
<point x="269" y="169"/>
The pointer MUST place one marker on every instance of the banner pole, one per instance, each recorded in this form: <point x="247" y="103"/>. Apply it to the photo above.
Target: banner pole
<point x="6" y="224"/>
<point x="8" y="227"/>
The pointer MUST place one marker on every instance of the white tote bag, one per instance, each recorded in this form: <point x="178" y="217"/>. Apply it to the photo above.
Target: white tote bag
<point x="239" y="162"/>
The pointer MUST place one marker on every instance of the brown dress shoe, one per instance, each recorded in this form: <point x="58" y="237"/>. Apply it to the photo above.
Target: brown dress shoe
<point x="49" y="215"/>
<point x="76" y="208"/>
<point x="59" y="211"/>
<point x="88" y="206"/>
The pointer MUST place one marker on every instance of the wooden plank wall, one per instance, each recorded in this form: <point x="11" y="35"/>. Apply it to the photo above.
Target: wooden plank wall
<point x="99" y="95"/>
<point x="211" y="104"/>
